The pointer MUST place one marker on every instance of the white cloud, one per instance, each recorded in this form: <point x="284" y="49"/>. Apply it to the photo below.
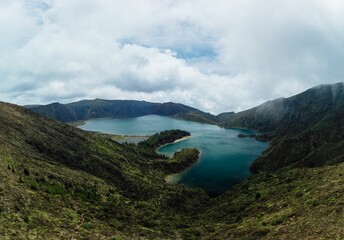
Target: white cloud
<point x="215" y="55"/>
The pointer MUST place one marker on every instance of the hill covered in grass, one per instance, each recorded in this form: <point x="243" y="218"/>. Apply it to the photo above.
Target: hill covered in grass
<point x="59" y="182"/>
<point x="293" y="204"/>
<point x="306" y="129"/>
<point x="99" y="108"/>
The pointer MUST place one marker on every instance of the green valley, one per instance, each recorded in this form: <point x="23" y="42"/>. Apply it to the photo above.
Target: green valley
<point x="59" y="182"/>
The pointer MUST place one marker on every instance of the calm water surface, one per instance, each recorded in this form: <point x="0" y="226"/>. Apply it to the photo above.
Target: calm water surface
<point x="225" y="158"/>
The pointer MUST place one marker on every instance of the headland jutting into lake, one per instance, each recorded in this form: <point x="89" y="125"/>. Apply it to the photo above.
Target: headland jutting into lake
<point x="225" y="158"/>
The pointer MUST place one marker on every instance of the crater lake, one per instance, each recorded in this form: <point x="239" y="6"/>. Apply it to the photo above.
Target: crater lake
<point x="224" y="161"/>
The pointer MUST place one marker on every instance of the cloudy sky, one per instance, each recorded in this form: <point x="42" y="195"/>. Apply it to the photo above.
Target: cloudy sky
<point x="218" y="55"/>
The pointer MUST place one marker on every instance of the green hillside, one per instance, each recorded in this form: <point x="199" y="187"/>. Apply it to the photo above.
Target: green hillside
<point x="59" y="182"/>
<point x="306" y="129"/>
<point x="293" y="204"/>
<point x="99" y="108"/>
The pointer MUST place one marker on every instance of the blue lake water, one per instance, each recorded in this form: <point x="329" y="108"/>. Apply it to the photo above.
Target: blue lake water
<point x="225" y="158"/>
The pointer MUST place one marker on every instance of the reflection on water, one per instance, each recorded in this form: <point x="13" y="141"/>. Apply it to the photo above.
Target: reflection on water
<point x="225" y="158"/>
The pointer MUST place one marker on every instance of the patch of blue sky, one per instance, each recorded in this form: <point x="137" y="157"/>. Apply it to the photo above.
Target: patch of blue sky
<point x="189" y="41"/>
<point x="195" y="52"/>
<point x="187" y="52"/>
<point x="43" y="5"/>
<point x="35" y="7"/>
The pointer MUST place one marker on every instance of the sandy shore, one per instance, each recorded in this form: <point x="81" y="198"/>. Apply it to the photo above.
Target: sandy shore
<point x="78" y="123"/>
<point x="178" y="140"/>
<point x="174" y="178"/>
<point x="181" y="139"/>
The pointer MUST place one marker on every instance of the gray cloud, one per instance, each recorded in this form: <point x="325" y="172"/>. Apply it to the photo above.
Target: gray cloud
<point x="215" y="55"/>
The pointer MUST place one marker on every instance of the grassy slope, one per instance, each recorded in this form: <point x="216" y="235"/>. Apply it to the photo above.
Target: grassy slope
<point x="306" y="129"/>
<point x="299" y="203"/>
<point x="60" y="182"/>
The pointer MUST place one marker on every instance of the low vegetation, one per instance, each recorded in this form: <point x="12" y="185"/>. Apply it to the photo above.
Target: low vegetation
<point x="58" y="182"/>
<point x="159" y="139"/>
<point x="61" y="182"/>
<point x="298" y="203"/>
<point x="305" y="130"/>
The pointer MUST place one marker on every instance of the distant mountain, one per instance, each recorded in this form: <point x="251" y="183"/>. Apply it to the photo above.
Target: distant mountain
<point x="33" y="105"/>
<point x="306" y="129"/>
<point x="59" y="182"/>
<point x="99" y="108"/>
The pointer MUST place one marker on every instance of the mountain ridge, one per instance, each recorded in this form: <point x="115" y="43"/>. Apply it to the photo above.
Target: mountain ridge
<point x="59" y="182"/>
<point x="100" y="108"/>
<point x="296" y="126"/>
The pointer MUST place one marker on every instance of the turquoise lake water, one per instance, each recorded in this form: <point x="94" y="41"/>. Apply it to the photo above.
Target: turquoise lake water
<point x="225" y="158"/>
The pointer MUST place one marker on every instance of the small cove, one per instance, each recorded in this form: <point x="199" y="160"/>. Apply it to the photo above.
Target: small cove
<point x="224" y="160"/>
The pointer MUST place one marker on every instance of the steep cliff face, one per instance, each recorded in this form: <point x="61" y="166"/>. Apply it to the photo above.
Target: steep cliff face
<point x="58" y="182"/>
<point x="301" y="128"/>
<point x="306" y="129"/>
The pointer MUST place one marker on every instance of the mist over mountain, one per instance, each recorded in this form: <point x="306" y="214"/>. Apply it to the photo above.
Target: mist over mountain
<point x="62" y="182"/>
<point x="176" y="120"/>
<point x="305" y="129"/>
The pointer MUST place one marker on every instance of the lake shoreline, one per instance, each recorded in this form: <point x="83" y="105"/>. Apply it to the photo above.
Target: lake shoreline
<point x="224" y="156"/>
<point x="174" y="178"/>
<point x="80" y="123"/>
<point x="176" y="141"/>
